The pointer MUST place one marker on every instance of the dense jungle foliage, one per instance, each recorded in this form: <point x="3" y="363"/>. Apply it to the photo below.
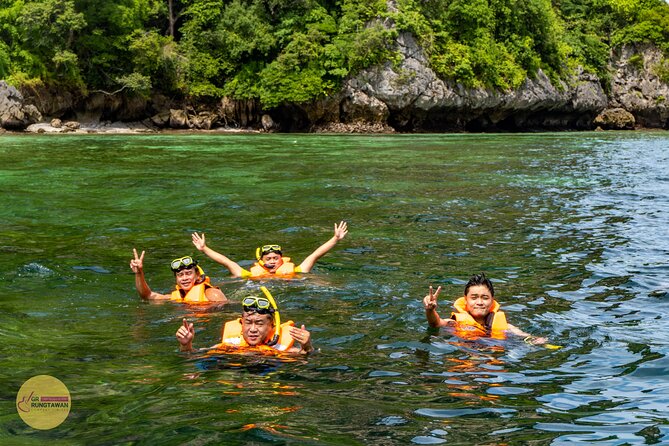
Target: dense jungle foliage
<point x="298" y="50"/>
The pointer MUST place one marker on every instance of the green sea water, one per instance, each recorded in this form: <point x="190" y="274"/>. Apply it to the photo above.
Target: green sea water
<point x="571" y="227"/>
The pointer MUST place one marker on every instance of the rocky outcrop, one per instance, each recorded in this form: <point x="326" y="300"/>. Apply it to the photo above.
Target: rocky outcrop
<point x="405" y="96"/>
<point x="54" y="101"/>
<point x="239" y="113"/>
<point x="636" y="86"/>
<point x="96" y="107"/>
<point x="185" y="118"/>
<point x="615" y="119"/>
<point x="179" y="119"/>
<point x="415" y="99"/>
<point x="267" y="123"/>
<point x="15" y="114"/>
<point x="356" y="127"/>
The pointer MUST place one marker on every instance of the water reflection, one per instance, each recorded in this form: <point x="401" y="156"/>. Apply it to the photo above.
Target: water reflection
<point x="572" y="228"/>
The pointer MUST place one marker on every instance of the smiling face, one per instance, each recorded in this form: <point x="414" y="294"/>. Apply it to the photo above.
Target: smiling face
<point x="256" y="328"/>
<point x="272" y="261"/>
<point x="479" y="302"/>
<point x="186" y="278"/>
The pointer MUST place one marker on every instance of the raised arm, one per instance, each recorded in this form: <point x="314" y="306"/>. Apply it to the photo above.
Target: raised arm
<point x="185" y="335"/>
<point x="200" y="244"/>
<point x="137" y="266"/>
<point x="340" y="232"/>
<point x="302" y="336"/>
<point x="430" y="304"/>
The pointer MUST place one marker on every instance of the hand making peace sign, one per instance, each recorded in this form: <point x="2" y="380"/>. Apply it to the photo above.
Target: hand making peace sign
<point x="137" y="263"/>
<point x="430" y="301"/>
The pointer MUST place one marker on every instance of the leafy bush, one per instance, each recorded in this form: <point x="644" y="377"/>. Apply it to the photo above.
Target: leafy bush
<point x="299" y="50"/>
<point x="4" y="61"/>
<point x="661" y="70"/>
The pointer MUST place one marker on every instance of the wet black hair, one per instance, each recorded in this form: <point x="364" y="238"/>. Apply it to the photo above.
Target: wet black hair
<point x="480" y="279"/>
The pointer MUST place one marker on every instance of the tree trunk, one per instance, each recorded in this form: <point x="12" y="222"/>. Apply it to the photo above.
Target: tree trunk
<point x="170" y="6"/>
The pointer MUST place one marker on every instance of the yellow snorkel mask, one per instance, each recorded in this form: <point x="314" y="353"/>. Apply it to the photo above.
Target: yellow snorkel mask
<point x="177" y="265"/>
<point x="266" y="249"/>
<point x="265" y="306"/>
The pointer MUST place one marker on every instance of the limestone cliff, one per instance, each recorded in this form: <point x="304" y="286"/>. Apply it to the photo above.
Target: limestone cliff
<point x="636" y="86"/>
<point x="415" y="99"/>
<point x="406" y="96"/>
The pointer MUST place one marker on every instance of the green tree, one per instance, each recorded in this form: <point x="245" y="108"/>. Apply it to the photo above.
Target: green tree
<point x="48" y="29"/>
<point x="103" y="48"/>
<point x="4" y="61"/>
<point x="282" y="51"/>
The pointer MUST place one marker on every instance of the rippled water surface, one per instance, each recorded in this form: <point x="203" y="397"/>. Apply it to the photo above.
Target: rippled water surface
<point x="573" y="229"/>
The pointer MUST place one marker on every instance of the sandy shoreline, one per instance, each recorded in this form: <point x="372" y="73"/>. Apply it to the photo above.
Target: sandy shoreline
<point x="134" y="128"/>
<point x="123" y="128"/>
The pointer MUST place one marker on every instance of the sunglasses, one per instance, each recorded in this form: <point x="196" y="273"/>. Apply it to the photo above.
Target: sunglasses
<point x="260" y="304"/>
<point x="184" y="262"/>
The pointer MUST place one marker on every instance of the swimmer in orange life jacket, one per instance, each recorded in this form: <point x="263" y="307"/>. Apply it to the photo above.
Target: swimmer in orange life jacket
<point x="477" y="313"/>
<point x="192" y="286"/>
<point x="256" y="330"/>
<point x="270" y="258"/>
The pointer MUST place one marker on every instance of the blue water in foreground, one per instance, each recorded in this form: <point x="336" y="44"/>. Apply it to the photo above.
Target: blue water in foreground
<point x="572" y="228"/>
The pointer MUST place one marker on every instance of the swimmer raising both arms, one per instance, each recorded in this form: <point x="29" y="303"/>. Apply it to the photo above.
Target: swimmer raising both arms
<point x="270" y="259"/>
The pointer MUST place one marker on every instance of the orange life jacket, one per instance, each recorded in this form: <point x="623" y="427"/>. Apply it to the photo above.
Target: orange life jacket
<point x="232" y="336"/>
<point x="468" y="327"/>
<point x="287" y="268"/>
<point x="195" y="295"/>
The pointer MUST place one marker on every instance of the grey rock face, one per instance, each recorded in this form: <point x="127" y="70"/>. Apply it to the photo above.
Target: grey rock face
<point x="179" y="119"/>
<point x="267" y="123"/>
<point x="636" y="87"/>
<point x="14" y="114"/>
<point x="414" y="98"/>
